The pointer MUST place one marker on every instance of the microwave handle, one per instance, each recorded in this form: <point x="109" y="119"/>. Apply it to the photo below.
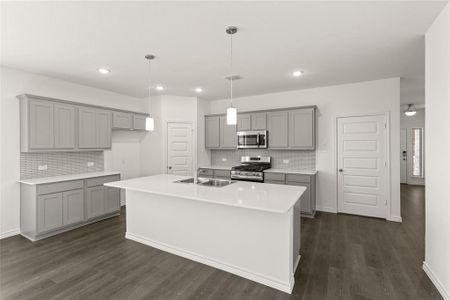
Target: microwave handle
<point x="257" y="140"/>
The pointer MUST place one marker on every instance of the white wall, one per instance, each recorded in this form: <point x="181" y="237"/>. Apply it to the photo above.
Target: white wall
<point x="15" y="82"/>
<point x="437" y="140"/>
<point x="408" y="123"/>
<point x="379" y="96"/>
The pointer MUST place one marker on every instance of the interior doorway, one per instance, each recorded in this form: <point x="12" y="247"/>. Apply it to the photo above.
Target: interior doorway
<point x="179" y="148"/>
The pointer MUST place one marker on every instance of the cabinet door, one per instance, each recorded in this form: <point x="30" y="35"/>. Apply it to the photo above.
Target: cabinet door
<point x="259" y="121"/>
<point x="112" y="199"/>
<point x="86" y="128"/>
<point x="64" y="123"/>
<point x="301" y="128"/>
<point x="95" y="202"/>
<point x="50" y="212"/>
<point x="122" y="120"/>
<point x="228" y="136"/>
<point x="139" y="122"/>
<point x="244" y="122"/>
<point x="103" y="129"/>
<point x="41" y="124"/>
<point x="73" y="206"/>
<point x="305" y="202"/>
<point x="212" y="132"/>
<point x="278" y="129"/>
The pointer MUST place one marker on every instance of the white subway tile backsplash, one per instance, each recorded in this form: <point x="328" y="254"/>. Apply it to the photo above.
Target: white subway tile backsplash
<point x="59" y="163"/>
<point x="286" y="159"/>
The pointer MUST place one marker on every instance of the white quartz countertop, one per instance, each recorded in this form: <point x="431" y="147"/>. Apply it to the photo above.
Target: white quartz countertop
<point x="43" y="180"/>
<point x="216" y="167"/>
<point x="251" y="195"/>
<point x="291" y="171"/>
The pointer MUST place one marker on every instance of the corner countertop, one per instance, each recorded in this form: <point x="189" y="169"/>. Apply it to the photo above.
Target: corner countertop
<point x="43" y="180"/>
<point x="272" y="198"/>
<point x="292" y="171"/>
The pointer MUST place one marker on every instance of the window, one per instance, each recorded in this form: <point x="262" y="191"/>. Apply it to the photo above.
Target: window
<point x="417" y="152"/>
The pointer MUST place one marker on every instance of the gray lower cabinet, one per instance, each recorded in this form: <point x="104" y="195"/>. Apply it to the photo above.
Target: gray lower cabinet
<point x="51" y="208"/>
<point x="212" y="132"/>
<point x="308" y="200"/>
<point x="228" y="136"/>
<point x="73" y="206"/>
<point x="214" y="173"/>
<point x="277" y="125"/>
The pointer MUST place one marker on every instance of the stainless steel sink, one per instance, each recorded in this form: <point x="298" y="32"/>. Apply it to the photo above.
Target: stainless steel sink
<point x="207" y="182"/>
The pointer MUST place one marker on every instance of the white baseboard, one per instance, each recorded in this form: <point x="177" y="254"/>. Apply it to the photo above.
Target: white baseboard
<point x="397" y="219"/>
<point x="439" y="286"/>
<point x="9" y="233"/>
<point x="276" y="284"/>
<point x="326" y="209"/>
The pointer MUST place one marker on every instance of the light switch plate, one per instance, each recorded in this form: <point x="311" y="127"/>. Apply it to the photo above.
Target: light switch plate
<point x="90" y="164"/>
<point x="224" y="159"/>
<point x="285" y="161"/>
<point x="42" y="167"/>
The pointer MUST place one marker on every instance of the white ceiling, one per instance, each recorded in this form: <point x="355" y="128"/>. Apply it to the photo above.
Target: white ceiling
<point x="333" y="42"/>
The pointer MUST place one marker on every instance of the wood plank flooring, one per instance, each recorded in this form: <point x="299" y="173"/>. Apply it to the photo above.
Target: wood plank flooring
<point x="343" y="257"/>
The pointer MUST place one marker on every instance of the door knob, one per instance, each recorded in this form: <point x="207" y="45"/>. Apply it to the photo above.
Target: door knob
<point x="169" y="167"/>
<point x="340" y="170"/>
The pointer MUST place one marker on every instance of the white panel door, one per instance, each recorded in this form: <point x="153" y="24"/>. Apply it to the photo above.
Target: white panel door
<point x="361" y="166"/>
<point x="179" y="148"/>
<point x="403" y="156"/>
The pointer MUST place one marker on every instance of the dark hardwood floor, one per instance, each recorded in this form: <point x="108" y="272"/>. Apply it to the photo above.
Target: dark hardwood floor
<point x="343" y="257"/>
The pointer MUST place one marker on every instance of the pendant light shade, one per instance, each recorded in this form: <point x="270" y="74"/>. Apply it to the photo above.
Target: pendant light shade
<point x="231" y="116"/>
<point x="411" y="111"/>
<point x="149" y="121"/>
<point x="231" y="111"/>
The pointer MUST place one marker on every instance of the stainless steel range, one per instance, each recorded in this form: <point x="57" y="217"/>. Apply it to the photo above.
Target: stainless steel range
<point x="251" y="168"/>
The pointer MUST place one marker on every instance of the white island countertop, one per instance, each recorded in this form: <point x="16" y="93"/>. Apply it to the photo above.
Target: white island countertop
<point x="258" y="196"/>
<point x="43" y="180"/>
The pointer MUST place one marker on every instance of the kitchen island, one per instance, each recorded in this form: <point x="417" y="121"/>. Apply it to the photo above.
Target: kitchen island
<point x="245" y="228"/>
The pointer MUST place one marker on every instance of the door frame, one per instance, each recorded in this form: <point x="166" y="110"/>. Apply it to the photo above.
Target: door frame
<point x="388" y="156"/>
<point x="165" y="145"/>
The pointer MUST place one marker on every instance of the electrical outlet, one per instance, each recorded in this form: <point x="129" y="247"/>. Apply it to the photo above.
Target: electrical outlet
<point x="42" y="167"/>
<point x="224" y="159"/>
<point x="285" y="161"/>
<point x="90" y="164"/>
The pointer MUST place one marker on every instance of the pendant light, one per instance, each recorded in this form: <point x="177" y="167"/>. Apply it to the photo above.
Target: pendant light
<point x="149" y="121"/>
<point x="231" y="111"/>
<point x="411" y="111"/>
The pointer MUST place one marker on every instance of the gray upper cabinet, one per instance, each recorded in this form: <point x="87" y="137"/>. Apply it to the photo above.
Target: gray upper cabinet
<point x="244" y="122"/>
<point x="64" y="126"/>
<point x="94" y="128"/>
<point x="122" y="120"/>
<point x="212" y="132"/>
<point x="277" y="125"/>
<point x="50" y="212"/>
<point x="139" y="121"/>
<point x="73" y="206"/>
<point x="301" y="129"/>
<point x="228" y="136"/>
<point x="259" y="121"/>
<point x="40" y="127"/>
<point x="103" y="129"/>
<point x="86" y="128"/>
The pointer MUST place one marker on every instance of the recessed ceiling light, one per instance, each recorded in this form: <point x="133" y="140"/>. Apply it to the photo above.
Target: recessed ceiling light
<point x="159" y="87"/>
<point x="198" y="90"/>
<point x="297" y="73"/>
<point x="104" y="71"/>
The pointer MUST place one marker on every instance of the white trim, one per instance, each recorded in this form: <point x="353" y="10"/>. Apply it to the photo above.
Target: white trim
<point x="439" y="286"/>
<point x="9" y="233"/>
<point x="397" y="219"/>
<point x="272" y="282"/>
<point x="388" y="158"/>
<point x="327" y="209"/>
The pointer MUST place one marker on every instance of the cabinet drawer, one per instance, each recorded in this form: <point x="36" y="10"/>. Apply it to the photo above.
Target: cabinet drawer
<point x="274" y="177"/>
<point x="222" y="173"/>
<point x="101" y="180"/>
<point x="298" y="178"/>
<point x="205" y="172"/>
<point x="59" y="187"/>
<point x="273" y="181"/>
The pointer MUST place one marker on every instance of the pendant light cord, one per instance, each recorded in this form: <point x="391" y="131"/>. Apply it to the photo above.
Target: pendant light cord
<point x="149" y="79"/>
<point x="231" y="68"/>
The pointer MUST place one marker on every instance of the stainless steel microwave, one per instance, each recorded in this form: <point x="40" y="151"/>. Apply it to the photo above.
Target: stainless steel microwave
<point x="252" y="139"/>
